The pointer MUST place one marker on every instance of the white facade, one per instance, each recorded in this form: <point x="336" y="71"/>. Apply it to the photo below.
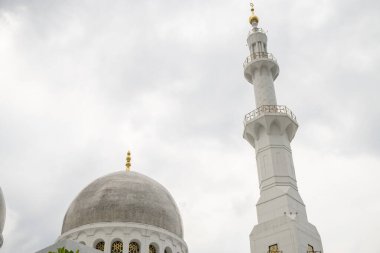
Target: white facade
<point x="282" y="221"/>
<point x="126" y="232"/>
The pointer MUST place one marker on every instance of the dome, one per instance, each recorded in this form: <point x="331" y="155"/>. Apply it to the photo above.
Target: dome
<point x="253" y="19"/>
<point x="124" y="197"/>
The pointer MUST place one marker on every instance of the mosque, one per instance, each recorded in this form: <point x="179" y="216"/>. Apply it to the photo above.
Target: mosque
<point x="126" y="211"/>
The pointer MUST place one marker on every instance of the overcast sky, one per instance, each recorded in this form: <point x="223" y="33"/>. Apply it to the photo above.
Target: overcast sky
<point x="81" y="82"/>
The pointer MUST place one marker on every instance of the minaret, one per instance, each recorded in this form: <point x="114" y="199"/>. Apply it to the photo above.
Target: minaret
<point x="282" y="221"/>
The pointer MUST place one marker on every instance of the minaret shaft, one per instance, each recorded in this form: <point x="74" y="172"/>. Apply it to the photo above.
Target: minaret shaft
<point x="274" y="159"/>
<point x="270" y="135"/>
<point x="264" y="87"/>
<point x="261" y="75"/>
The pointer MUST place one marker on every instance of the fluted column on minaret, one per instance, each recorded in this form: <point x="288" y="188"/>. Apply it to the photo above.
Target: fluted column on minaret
<point x="269" y="129"/>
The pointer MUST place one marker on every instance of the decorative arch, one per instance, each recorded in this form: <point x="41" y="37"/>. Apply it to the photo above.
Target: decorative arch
<point x="82" y="234"/>
<point x="97" y="231"/>
<point x="250" y="139"/>
<point x="116" y="230"/>
<point x="290" y="131"/>
<point x="258" y="129"/>
<point x="275" y="128"/>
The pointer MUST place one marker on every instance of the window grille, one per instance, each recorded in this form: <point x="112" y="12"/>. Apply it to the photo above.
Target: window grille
<point x="117" y="247"/>
<point x="152" y="249"/>
<point x="274" y="249"/>
<point x="134" y="247"/>
<point x="100" y="246"/>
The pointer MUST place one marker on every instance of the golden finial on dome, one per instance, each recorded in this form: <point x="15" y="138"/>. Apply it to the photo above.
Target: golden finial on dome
<point x="253" y="18"/>
<point x="128" y="164"/>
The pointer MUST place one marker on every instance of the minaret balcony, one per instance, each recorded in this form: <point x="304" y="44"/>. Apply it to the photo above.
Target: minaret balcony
<point x="269" y="118"/>
<point x="256" y="30"/>
<point x="269" y="109"/>
<point x="258" y="56"/>
<point x="258" y="60"/>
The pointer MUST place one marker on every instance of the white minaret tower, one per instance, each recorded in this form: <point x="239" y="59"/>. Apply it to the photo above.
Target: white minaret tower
<point x="282" y="221"/>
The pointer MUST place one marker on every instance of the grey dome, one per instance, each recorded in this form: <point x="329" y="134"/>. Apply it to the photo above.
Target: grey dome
<point x="124" y="197"/>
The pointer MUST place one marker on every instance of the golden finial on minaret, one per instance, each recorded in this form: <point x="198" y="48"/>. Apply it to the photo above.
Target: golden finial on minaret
<point x="253" y="19"/>
<point x="128" y="164"/>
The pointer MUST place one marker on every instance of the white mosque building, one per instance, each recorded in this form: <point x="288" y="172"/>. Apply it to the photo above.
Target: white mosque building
<point x="126" y="211"/>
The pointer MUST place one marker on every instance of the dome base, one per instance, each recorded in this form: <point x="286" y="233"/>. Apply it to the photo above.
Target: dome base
<point x="126" y="232"/>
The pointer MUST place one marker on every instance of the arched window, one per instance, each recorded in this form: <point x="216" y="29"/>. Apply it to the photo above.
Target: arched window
<point x="117" y="247"/>
<point x="273" y="248"/>
<point x="134" y="247"/>
<point x="100" y="246"/>
<point x="152" y="249"/>
<point x="168" y="250"/>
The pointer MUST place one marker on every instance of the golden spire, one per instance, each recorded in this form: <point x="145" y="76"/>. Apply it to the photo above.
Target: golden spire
<point x="128" y="164"/>
<point x="253" y="18"/>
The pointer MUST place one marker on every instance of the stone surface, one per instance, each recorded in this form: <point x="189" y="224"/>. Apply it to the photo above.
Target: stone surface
<point x="124" y="197"/>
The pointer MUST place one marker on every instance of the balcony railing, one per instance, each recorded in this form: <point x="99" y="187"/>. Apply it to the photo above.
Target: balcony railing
<point x="255" y="30"/>
<point x="257" y="56"/>
<point x="282" y="109"/>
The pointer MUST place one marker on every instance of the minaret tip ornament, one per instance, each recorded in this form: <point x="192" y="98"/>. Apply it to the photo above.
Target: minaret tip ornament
<point x="128" y="164"/>
<point x="253" y="19"/>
